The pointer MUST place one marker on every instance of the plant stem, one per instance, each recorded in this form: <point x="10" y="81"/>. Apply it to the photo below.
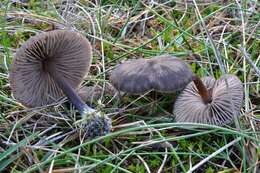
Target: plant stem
<point x="202" y="89"/>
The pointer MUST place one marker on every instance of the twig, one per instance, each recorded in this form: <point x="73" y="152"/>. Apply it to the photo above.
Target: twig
<point x="250" y="61"/>
<point x="164" y="161"/>
<point x="214" y="48"/>
<point x="145" y="164"/>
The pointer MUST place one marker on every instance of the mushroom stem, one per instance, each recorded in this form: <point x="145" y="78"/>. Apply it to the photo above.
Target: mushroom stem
<point x="202" y="89"/>
<point x="72" y="95"/>
<point x="95" y="123"/>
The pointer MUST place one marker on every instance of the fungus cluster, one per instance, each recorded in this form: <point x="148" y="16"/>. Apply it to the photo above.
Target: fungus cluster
<point x="52" y="64"/>
<point x="203" y="100"/>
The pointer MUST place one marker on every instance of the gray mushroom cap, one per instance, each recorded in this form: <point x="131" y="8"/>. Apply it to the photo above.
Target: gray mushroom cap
<point x="227" y="98"/>
<point x="90" y="93"/>
<point x="65" y="53"/>
<point x="162" y="73"/>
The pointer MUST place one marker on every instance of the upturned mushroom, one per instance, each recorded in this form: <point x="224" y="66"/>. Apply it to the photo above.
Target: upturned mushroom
<point x="210" y="101"/>
<point x="164" y="73"/>
<point x="51" y="64"/>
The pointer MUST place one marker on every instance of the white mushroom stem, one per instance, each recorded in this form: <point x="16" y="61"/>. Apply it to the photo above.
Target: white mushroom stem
<point x="202" y="89"/>
<point x="73" y="97"/>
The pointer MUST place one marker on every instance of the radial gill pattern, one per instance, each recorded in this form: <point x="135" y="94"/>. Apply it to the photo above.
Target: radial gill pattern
<point x="66" y="53"/>
<point x="163" y="73"/>
<point x="227" y="98"/>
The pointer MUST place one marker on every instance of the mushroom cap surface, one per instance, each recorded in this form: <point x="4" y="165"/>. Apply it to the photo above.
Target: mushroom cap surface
<point x="90" y="93"/>
<point x="164" y="73"/>
<point x="65" y="53"/>
<point x="227" y="98"/>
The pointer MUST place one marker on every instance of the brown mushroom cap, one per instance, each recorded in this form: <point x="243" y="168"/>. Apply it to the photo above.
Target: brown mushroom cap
<point x="65" y="53"/>
<point x="90" y="93"/>
<point x="189" y="106"/>
<point x="162" y="73"/>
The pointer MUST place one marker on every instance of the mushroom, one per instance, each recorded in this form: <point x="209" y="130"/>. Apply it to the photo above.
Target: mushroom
<point x="51" y="64"/>
<point x="90" y="93"/>
<point x="163" y="73"/>
<point x="210" y="101"/>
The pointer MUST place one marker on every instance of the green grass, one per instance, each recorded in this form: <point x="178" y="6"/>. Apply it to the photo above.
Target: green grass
<point x="47" y="138"/>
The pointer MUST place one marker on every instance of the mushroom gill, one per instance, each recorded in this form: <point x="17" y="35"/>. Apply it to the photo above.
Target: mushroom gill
<point x="51" y="64"/>
<point x="226" y="97"/>
<point x="65" y="53"/>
